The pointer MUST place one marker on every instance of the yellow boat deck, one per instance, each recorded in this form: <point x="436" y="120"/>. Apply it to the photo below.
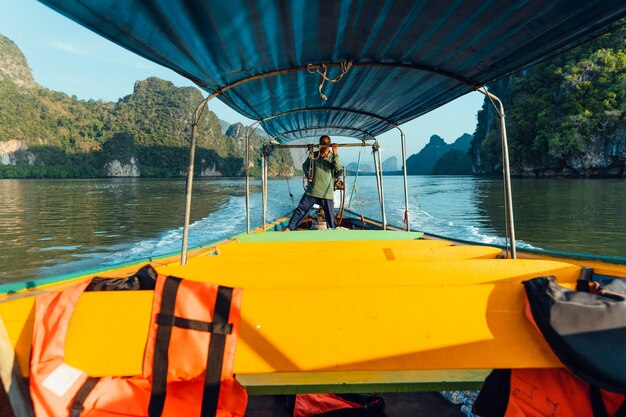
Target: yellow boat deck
<point x="333" y="315"/>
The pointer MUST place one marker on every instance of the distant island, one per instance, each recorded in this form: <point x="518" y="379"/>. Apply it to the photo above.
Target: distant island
<point x="47" y="134"/>
<point x="440" y="158"/>
<point x="436" y="158"/>
<point x="565" y="117"/>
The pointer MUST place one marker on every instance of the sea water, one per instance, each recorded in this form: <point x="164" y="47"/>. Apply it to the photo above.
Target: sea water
<point x="51" y="227"/>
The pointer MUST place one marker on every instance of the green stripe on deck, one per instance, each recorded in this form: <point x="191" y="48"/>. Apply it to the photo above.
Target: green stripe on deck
<point x="322" y="235"/>
<point x="363" y="381"/>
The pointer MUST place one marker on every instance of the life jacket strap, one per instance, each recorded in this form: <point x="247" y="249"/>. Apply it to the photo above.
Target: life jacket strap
<point x="215" y="358"/>
<point x="77" y="406"/>
<point x="219" y="329"/>
<point x="201" y="326"/>
<point x="598" y="406"/>
<point x="161" y="348"/>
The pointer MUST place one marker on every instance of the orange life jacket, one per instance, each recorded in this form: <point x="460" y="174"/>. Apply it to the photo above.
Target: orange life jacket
<point x="188" y="360"/>
<point x="545" y="393"/>
<point x="310" y="405"/>
<point x="557" y="392"/>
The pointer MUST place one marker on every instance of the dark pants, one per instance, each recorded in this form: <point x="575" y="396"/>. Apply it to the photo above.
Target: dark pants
<point x="306" y="202"/>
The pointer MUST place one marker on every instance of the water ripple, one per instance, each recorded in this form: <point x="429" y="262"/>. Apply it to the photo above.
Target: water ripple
<point x="92" y="223"/>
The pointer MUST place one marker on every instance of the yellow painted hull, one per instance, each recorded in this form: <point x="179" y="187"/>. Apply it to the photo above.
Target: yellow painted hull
<point x="317" y="315"/>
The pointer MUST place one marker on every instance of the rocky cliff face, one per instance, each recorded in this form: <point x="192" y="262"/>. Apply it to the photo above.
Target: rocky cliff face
<point x="211" y="171"/>
<point x="281" y="161"/>
<point x="14" y="71"/>
<point x="237" y="131"/>
<point x="565" y="117"/>
<point x="116" y="169"/>
<point x="13" y="65"/>
<point x="13" y="152"/>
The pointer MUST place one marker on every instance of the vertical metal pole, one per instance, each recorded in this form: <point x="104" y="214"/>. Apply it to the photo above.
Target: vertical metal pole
<point x="507" y="233"/>
<point x="248" y="181"/>
<point x="406" y="186"/>
<point x="264" y="186"/>
<point x="249" y="131"/>
<point x="506" y="172"/>
<point x="379" y="185"/>
<point x="190" y="168"/>
<point x="507" y="184"/>
<point x="376" y="174"/>
<point x="382" y="189"/>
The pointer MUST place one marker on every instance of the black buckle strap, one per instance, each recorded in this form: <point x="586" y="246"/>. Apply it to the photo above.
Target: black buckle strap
<point x="161" y="348"/>
<point x="219" y="329"/>
<point x="77" y="406"/>
<point x="201" y="326"/>
<point x="215" y="358"/>
<point x="597" y="403"/>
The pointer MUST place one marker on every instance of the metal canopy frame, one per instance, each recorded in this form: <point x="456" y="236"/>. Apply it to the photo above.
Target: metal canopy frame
<point x="419" y="67"/>
<point x="317" y="145"/>
<point x="337" y="109"/>
<point x="316" y="109"/>
<point x="321" y="127"/>
<point x="256" y="124"/>
<point x="506" y="175"/>
<point x="510" y="232"/>
<point x="378" y="171"/>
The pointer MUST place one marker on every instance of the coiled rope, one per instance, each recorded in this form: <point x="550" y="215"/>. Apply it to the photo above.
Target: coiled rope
<point x="322" y="70"/>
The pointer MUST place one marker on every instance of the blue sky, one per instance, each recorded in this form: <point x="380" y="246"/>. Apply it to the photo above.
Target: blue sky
<point x="66" y="57"/>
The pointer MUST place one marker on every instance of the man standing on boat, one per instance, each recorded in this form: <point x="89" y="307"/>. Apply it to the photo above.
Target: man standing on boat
<point x="319" y="168"/>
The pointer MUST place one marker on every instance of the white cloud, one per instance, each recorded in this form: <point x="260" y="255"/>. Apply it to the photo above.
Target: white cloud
<point x="144" y="65"/>
<point x="66" y="47"/>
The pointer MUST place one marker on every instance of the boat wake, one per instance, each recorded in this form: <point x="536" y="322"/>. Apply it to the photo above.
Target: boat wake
<point x="230" y="220"/>
<point x="226" y="222"/>
<point x="425" y="222"/>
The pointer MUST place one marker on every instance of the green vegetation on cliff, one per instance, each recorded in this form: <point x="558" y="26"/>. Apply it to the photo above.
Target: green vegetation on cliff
<point x="564" y="116"/>
<point x="49" y="134"/>
<point x="453" y="162"/>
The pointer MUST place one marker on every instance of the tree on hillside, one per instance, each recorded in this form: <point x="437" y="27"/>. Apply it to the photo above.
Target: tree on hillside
<point x="60" y="136"/>
<point x="120" y="147"/>
<point x="566" y="112"/>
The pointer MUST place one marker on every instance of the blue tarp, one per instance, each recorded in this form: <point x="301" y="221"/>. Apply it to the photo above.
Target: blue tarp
<point x="409" y="57"/>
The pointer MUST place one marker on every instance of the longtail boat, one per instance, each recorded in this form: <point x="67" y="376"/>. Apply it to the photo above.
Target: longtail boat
<point x="386" y="318"/>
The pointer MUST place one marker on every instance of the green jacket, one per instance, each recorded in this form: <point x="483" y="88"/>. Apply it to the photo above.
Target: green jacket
<point x="323" y="180"/>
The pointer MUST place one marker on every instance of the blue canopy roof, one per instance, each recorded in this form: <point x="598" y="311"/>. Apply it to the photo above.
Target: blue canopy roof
<point x="263" y="57"/>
